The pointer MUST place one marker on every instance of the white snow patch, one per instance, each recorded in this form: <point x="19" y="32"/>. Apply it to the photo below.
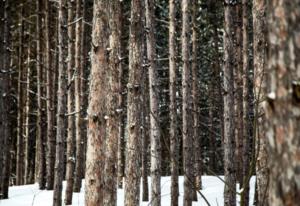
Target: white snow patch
<point x="30" y="195"/>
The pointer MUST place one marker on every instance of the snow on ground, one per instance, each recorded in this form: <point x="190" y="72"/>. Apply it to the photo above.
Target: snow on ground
<point x="30" y="195"/>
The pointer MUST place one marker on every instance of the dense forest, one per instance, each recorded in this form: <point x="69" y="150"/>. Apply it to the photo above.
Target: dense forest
<point x="103" y="95"/>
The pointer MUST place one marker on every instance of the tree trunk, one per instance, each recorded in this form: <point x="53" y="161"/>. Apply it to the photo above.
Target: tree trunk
<point x="61" y="102"/>
<point x="260" y="57"/>
<point x="155" y="144"/>
<point x="95" y="159"/>
<point x="70" y="99"/>
<point x="50" y="71"/>
<point x="20" y="169"/>
<point x="246" y="101"/>
<point x="283" y="98"/>
<point x="174" y="147"/>
<point x="195" y="98"/>
<point x="110" y="178"/>
<point x="133" y="173"/>
<point x="186" y="106"/>
<point x="229" y="138"/>
<point x="79" y="167"/>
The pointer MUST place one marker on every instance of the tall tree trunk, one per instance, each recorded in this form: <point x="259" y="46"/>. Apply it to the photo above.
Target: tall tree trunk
<point x="95" y="160"/>
<point x="155" y="144"/>
<point x="133" y="160"/>
<point x="70" y="99"/>
<point x="282" y="108"/>
<point x="174" y="147"/>
<point x="260" y="58"/>
<point x="229" y="138"/>
<point x="7" y="104"/>
<point x="110" y="178"/>
<point x="61" y="103"/>
<point x="186" y="106"/>
<point x="20" y="130"/>
<point x="246" y="101"/>
<point x="195" y="98"/>
<point x="79" y="167"/>
<point x="50" y="71"/>
<point x="238" y="73"/>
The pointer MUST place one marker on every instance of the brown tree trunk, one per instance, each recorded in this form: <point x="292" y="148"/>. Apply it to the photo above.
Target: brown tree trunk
<point x="70" y="99"/>
<point x="155" y="144"/>
<point x="6" y="83"/>
<point x="20" y="169"/>
<point x="260" y="58"/>
<point x="174" y="147"/>
<point x="50" y="71"/>
<point x="79" y="167"/>
<point x="283" y="98"/>
<point x="229" y="138"/>
<point x="95" y="159"/>
<point x="110" y="178"/>
<point x="133" y="160"/>
<point x="61" y="102"/>
<point x="195" y="98"/>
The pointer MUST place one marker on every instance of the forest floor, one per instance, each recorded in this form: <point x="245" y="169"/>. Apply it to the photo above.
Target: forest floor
<point x="30" y="195"/>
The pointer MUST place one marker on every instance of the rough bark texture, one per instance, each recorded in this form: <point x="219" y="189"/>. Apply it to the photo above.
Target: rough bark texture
<point x="110" y="178"/>
<point x="186" y="105"/>
<point x="79" y="167"/>
<point x="260" y="58"/>
<point x="155" y="151"/>
<point x="247" y="123"/>
<point x="20" y="169"/>
<point x="283" y="102"/>
<point x="133" y="160"/>
<point x="70" y="101"/>
<point x="174" y="148"/>
<point x="6" y="83"/>
<point x="195" y="98"/>
<point x="50" y="103"/>
<point x="229" y="140"/>
<point x="61" y="102"/>
<point x="95" y="159"/>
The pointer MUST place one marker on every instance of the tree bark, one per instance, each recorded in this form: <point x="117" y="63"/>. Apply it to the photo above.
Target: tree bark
<point x="229" y="137"/>
<point x="61" y="102"/>
<point x="155" y="144"/>
<point x="70" y="99"/>
<point x="95" y="159"/>
<point x="282" y="107"/>
<point x="50" y="71"/>
<point x="133" y="160"/>
<point x="79" y="167"/>
<point x="260" y="58"/>
<point x="110" y="178"/>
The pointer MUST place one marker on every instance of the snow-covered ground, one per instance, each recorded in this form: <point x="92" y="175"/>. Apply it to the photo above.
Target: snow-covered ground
<point x="30" y="195"/>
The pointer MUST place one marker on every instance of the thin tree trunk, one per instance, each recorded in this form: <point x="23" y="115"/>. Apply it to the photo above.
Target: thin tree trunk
<point x="7" y="105"/>
<point x="49" y="93"/>
<point x="195" y="98"/>
<point x="133" y="160"/>
<point x="260" y="58"/>
<point x="20" y="130"/>
<point x="61" y="102"/>
<point x="110" y="178"/>
<point x="155" y="153"/>
<point x="70" y="99"/>
<point x="283" y="98"/>
<point x="174" y="147"/>
<point x="79" y="167"/>
<point x="95" y="160"/>
<point x="229" y="138"/>
<point x="186" y="96"/>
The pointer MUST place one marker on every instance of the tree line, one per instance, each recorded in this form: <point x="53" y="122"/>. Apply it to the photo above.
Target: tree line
<point x="115" y="91"/>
